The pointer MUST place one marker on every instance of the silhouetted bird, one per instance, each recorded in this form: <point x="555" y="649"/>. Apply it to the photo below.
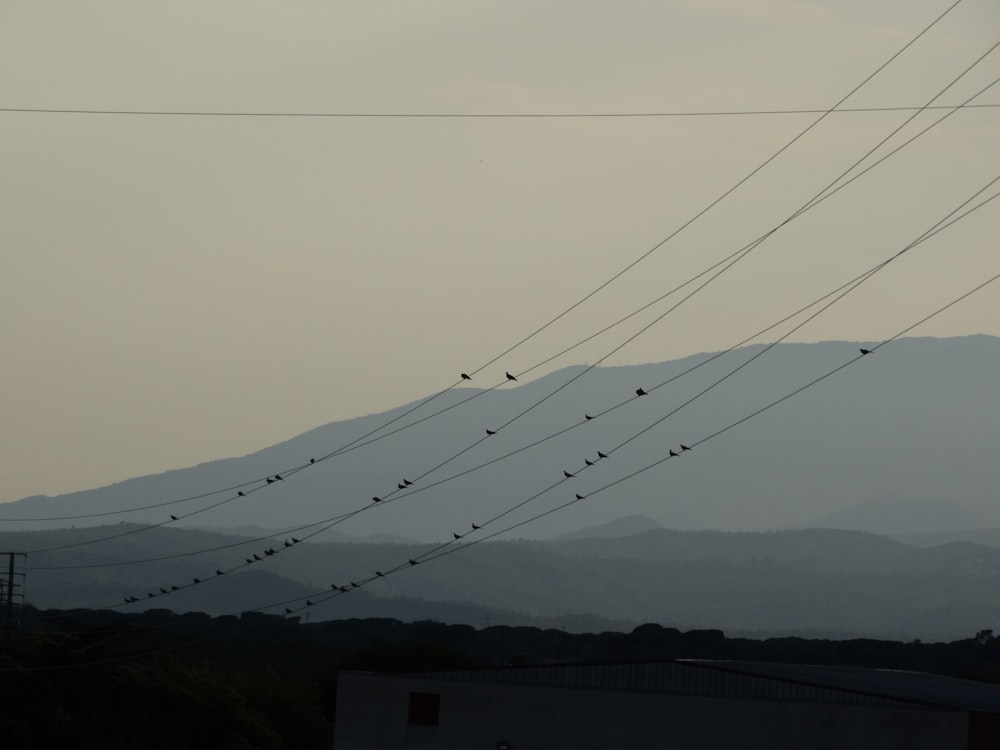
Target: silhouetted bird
<point x="288" y="611"/>
<point x="308" y="603"/>
<point x="674" y="455"/>
<point x="412" y="561"/>
<point x="288" y="544"/>
<point x="343" y="589"/>
<point x="150" y="595"/>
<point x="240" y="493"/>
<point x="163" y="590"/>
<point x="333" y="586"/>
<point x="511" y="377"/>
<point x="278" y="477"/>
<point x="173" y="517"/>
<point x="490" y="432"/>
<point x="601" y="455"/>
<point x="639" y="392"/>
<point x="218" y="572"/>
<point x="568" y="475"/>
<point x="270" y="481"/>
<point x="271" y="551"/>
<point x="407" y="482"/>
<point x="354" y="585"/>
<point x="174" y="588"/>
<point x="466" y="376"/>
<point x="257" y="557"/>
<point x="376" y="499"/>
<point x="456" y="535"/>
<point x="579" y="496"/>
<point x="588" y="416"/>
<point x="475" y="528"/>
<point x="197" y="580"/>
<point x="684" y="447"/>
<point x="295" y="541"/>
<point x="401" y="486"/>
<point x="588" y="462"/>
<point x="866" y="351"/>
<point x="249" y="561"/>
<point x="380" y="574"/>
<point x="312" y="460"/>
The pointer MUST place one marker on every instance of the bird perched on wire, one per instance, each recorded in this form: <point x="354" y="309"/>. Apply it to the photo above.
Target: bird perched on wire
<point x="674" y="455"/>
<point x="240" y="493"/>
<point x="490" y="432"/>
<point x="684" y="447"/>
<point x="173" y="517"/>
<point x="511" y="377"/>
<point x="639" y="392"/>
<point x="601" y="455"/>
<point x="568" y="475"/>
<point x="376" y="499"/>
<point x="407" y="482"/>
<point x="865" y="351"/>
<point x="579" y="496"/>
<point x="466" y="376"/>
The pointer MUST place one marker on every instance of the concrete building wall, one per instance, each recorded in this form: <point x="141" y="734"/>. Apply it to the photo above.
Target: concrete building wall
<point x="372" y="712"/>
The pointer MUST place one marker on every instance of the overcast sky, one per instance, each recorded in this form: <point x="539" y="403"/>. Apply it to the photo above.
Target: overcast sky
<point x="178" y="289"/>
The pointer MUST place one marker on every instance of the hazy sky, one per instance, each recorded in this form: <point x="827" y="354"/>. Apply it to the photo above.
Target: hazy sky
<point x="178" y="289"/>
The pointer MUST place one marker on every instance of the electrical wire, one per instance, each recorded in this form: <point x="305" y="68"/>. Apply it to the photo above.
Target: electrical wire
<point x="459" y="115"/>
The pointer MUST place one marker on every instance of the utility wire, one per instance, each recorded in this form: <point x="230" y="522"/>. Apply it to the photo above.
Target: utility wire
<point x="459" y="115"/>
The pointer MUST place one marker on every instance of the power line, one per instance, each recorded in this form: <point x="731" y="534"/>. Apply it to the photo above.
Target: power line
<point x="466" y="115"/>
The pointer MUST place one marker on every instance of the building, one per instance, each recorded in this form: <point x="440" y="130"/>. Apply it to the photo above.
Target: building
<point x="669" y="704"/>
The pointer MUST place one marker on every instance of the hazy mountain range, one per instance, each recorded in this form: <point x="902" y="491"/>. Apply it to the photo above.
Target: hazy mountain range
<point x="815" y="583"/>
<point x="903" y="441"/>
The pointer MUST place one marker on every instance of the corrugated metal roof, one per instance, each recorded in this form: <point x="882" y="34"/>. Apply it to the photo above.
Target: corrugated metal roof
<point x="759" y="680"/>
<point x="918" y="687"/>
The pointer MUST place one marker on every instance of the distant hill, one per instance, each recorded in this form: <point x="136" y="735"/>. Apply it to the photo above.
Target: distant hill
<point x="919" y="418"/>
<point x="612" y="529"/>
<point x="984" y="537"/>
<point x="820" y="583"/>
<point x="892" y="514"/>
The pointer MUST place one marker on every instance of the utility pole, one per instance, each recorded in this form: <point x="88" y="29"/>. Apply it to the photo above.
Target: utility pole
<point x="12" y="587"/>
